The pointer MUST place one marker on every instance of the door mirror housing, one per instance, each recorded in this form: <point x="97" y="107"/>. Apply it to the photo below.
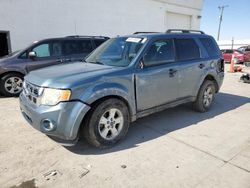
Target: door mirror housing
<point x="32" y="55"/>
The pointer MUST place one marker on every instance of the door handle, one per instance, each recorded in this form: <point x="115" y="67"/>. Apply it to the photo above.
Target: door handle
<point x="59" y="60"/>
<point x="172" y="72"/>
<point x="67" y="60"/>
<point x="201" y="66"/>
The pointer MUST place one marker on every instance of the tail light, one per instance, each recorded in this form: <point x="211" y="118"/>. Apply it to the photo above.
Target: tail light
<point x="221" y="65"/>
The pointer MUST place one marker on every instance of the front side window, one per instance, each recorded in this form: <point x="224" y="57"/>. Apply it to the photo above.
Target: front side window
<point x="160" y="52"/>
<point x="42" y="50"/>
<point x="117" y="51"/>
<point x="187" y="49"/>
<point x="23" y="55"/>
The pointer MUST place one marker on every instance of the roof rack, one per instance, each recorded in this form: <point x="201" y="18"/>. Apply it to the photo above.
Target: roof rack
<point x="143" y="32"/>
<point x="82" y="36"/>
<point x="184" y="31"/>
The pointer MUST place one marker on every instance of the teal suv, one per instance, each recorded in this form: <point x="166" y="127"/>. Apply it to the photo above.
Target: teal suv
<point x="124" y="79"/>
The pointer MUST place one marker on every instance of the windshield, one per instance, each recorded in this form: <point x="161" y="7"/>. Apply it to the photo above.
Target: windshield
<point x="117" y="51"/>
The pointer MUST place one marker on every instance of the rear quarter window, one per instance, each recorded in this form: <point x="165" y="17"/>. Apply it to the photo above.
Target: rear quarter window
<point x="211" y="47"/>
<point x="187" y="49"/>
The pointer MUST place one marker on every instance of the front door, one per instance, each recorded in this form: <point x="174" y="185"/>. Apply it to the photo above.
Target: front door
<point x="157" y="83"/>
<point x="47" y="54"/>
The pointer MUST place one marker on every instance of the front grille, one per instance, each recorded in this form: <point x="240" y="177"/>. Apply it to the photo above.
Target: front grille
<point x="32" y="92"/>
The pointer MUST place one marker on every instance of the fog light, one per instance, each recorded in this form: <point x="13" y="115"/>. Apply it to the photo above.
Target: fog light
<point x="48" y="125"/>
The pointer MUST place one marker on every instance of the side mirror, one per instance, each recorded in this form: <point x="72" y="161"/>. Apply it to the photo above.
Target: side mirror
<point x="32" y="55"/>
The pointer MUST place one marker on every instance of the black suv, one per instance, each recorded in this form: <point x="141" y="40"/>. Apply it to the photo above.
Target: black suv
<point x="42" y="54"/>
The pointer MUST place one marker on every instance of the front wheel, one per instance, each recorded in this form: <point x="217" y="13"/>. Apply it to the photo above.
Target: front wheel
<point x="107" y="124"/>
<point x="205" y="96"/>
<point x="11" y="84"/>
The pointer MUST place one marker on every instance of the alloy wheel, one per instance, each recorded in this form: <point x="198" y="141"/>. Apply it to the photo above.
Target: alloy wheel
<point x="111" y="124"/>
<point x="13" y="85"/>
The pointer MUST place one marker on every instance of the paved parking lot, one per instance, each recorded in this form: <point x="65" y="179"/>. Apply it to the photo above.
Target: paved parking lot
<point x="173" y="148"/>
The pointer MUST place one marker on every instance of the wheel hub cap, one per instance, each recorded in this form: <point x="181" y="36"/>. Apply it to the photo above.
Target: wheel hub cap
<point x="13" y="85"/>
<point x="110" y="124"/>
<point x="208" y="96"/>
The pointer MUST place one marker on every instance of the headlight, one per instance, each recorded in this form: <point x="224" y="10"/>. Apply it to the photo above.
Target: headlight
<point x="51" y="97"/>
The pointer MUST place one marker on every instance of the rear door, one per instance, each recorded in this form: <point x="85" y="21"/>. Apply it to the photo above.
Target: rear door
<point x="76" y="49"/>
<point x="191" y="66"/>
<point x="157" y="83"/>
<point x="48" y="53"/>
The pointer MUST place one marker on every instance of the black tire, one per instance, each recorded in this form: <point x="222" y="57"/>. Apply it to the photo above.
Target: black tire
<point x="199" y="104"/>
<point x="10" y="91"/>
<point x="92" y="128"/>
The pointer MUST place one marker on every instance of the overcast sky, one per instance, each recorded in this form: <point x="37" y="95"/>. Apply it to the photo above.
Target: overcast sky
<point x="236" y="19"/>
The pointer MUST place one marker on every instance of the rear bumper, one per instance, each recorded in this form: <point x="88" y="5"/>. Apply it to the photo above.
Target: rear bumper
<point x="66" y="116"/>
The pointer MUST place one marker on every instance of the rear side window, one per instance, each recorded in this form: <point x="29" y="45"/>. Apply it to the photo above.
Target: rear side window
<point x="98" y="42"/>
<point x="85" y="46"/>
<point x="187" y="49"/>
<point x="77" y="47"/>
<point x="160" y="52"/>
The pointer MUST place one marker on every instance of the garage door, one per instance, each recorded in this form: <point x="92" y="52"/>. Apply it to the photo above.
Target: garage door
<point x="178" y="21"/>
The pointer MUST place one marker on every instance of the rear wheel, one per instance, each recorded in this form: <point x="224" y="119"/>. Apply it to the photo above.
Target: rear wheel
<point x="107" y="124"/>
<point x="205" y="96"/>
<point x="11" y="84"/>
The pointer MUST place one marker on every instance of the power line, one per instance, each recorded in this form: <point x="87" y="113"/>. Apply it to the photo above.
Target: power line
<point x="221" y="8"/>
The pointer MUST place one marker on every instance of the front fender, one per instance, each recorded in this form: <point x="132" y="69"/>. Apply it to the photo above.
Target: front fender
<point x="11" y="69"/>
<point x="103" y="90"/>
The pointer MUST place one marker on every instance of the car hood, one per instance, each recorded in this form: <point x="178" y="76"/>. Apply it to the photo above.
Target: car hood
<point x="6" y="60"/>
<point x="68" y="75"/>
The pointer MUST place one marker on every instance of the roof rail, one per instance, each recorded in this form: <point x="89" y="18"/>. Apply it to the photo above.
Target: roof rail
<point x="82" y="36"/>
<point x="184" y="31"/>
<point x="143" y="32"/>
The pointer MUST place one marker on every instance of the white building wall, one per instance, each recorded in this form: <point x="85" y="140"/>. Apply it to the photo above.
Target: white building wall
<point x="30" y="20"/>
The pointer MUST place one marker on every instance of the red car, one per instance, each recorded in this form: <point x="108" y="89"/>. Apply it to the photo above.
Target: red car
<point x="246" y="50"/>
<point x="239" y="55"/>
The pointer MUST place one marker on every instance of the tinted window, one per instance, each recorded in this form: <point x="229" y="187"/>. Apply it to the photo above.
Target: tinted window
<point x="56" y="49"/>
<point x="77" y="47"/>
<point x="187" y="49"/>
<point x="85" y="46"/>
<point x="23" y="55"/>
<point x="98" y="42"/>
<point x="42" y="50"/>
<point x="48" y="49"/>
<point x="210" y="47"/>
<point x="160" y="52"/>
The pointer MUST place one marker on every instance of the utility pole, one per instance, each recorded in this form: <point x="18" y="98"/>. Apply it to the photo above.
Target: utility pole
<point x="221" y="8"/>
